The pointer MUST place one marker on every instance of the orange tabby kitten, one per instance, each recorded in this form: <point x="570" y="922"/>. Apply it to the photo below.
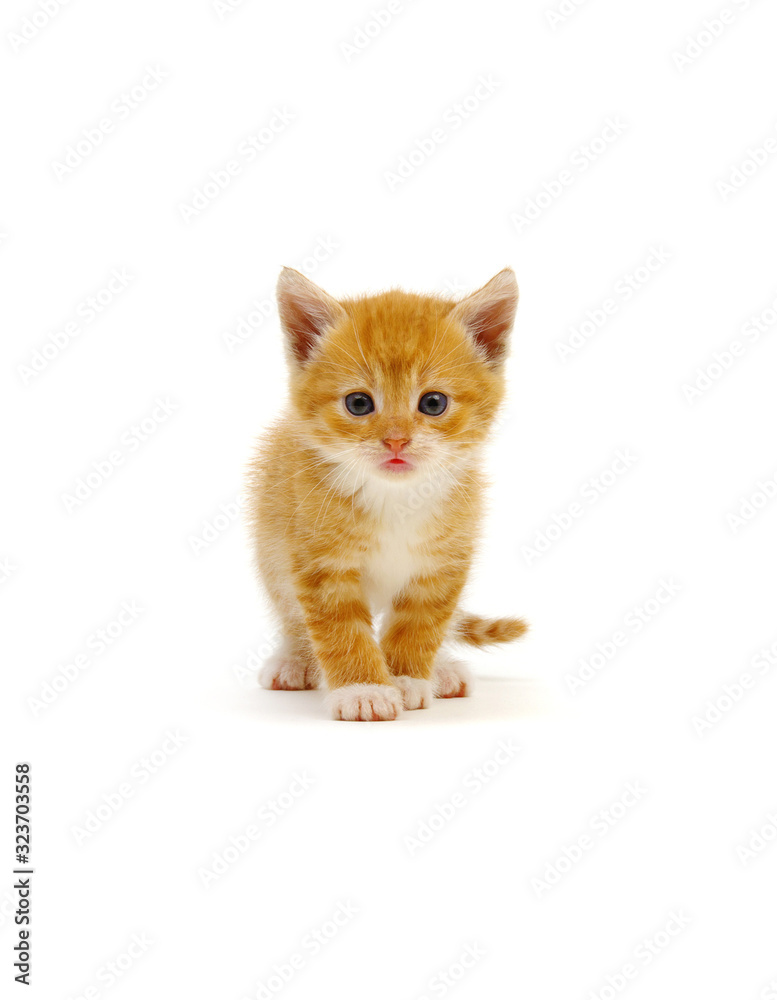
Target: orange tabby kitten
<point x="366" y="495"/>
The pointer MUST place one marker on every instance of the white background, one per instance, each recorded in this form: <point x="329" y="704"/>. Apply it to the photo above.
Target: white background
<point x="693" y="104"/>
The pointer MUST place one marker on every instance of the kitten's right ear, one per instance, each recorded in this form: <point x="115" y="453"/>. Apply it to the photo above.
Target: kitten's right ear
<point x="306" y="312"/>
<point x="488" y="315"/>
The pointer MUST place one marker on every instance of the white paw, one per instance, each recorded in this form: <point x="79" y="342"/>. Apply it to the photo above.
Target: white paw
<point x="287" y="673"/>
<point x="450" y="678"/>
<point x="365" y="702"/>
<point x="416" y="693"/>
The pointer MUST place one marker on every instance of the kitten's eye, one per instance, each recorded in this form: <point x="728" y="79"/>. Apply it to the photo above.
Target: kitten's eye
<point x="359" y="403"/>
<point x="433" y="403"/>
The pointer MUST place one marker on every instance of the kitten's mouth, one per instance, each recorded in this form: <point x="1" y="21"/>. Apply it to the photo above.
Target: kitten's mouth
<point x="396" y="465"/>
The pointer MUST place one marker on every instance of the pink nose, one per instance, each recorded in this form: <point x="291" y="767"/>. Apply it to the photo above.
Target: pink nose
<point x="396" y="444"/>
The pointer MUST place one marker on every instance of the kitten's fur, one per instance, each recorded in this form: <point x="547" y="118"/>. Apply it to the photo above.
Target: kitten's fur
<point x="342" y="537"/>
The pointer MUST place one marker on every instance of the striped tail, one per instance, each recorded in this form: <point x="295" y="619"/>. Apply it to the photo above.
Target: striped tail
<point x="487" y="631"/>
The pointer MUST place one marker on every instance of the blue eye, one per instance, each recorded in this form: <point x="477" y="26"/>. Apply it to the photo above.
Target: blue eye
<point x="433" y="403"/>
<point x="359" y="403"/>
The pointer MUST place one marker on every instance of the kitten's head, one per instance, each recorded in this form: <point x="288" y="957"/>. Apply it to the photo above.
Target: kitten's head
<point x="397" y="384"/>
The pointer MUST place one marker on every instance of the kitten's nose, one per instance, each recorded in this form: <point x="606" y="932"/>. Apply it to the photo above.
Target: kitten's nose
<point x="396" y="444"/>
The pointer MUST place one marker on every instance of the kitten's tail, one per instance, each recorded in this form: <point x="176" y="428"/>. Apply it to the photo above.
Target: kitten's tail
<point x="487" y="631"/>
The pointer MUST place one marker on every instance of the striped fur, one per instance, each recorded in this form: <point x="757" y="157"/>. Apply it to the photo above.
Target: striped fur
<point x="488" y="631"/>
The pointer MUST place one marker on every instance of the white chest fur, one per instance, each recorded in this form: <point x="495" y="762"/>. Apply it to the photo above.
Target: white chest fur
<point x="399" y="550"/>
<point x="397" y="557"/>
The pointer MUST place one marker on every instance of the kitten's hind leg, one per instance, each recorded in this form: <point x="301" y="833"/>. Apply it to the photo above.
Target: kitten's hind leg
<point x="292" y="668"/>
<point x="450" y="677"/>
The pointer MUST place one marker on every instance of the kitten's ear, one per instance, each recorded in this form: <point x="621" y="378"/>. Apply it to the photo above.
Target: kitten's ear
<point x="306" y="311"/>
<point x="488" y="314"/>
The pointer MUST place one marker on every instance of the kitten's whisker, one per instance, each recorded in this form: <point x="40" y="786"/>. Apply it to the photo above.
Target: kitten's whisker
<point x="333" y="490"/>
<point x="436" y="334"/>
<point x="343" y="368"/>
<point x="433" y="360"/>
<point x="358" y="342"/>
<point x="452" y="368"/>
<point x="324" y="460"/>
<point x="302" y="501"/>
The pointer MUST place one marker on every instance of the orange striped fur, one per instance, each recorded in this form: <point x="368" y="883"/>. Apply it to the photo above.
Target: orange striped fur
<point x="488" y="631"/>
<point x="357" y="515"/>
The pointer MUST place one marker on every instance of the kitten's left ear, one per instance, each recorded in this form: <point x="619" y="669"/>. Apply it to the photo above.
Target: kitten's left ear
<point x="306" y="312"/>
<point x="488" y="314"/>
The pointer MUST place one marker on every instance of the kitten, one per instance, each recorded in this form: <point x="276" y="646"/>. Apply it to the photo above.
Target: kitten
<point x="366" y="495"/>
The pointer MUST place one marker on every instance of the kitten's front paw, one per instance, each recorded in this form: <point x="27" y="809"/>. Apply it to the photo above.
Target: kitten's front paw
<point x="365" y="702"/>
<point x="450" y="678"/>
<point x="416" y="693"/>
<point x="287" y="673"/>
